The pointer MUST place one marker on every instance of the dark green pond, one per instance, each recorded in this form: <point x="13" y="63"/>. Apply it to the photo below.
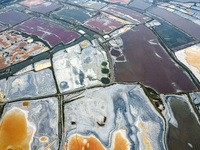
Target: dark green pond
<point x="172" y="36"/>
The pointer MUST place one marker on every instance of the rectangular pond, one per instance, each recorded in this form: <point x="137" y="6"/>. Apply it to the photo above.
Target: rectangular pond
<point x="13" y="17"/>
<point x="140" y="4"/>
<point x="28" y="85"/>
<point x="127" y="14"/>
<point x="104" y="23"/>
<point x="184" y="24"/>
<point x="118" y="117"/>
<point x="45" y="7"/>
<point x="80" y="66"/>
<point x="16" y="48"/>
<point x="30" y="124"/>
<point x="148" y="62"/>
<point x="50" y="33"/>
<point x="172" y="36"/>
<point x="73" y="14"/>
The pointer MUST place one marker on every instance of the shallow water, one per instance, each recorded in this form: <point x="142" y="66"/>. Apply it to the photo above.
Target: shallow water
<point x="188" y="130"/>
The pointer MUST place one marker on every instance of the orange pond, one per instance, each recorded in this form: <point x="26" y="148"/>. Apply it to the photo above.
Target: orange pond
<point x="43" y="139"/>
<point x="25" y="103"/>
<point x="15" y="133"/>
<point x="78" y="142"/>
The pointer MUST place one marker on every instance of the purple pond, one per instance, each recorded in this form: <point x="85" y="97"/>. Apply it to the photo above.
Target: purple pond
<point x="52" y="34"/>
